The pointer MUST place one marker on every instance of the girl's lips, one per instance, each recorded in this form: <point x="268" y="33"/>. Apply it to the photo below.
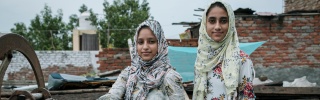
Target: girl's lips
<point x="145" y="53"/>
<point x="217" y="33"/>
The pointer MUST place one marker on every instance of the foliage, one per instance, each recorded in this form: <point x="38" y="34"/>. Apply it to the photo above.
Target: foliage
<point x="120" y="20"/>
<point x="46" y="31"/>
<point x="49" y="32"/>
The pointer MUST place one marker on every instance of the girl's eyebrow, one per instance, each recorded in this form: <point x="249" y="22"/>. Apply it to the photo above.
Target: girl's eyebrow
<point x="216" y="17"/>
<point x="212" y="17"/>
<point x="224" y="17"/>
<point x="152" y="38"/>
<point x="147" y="38"/>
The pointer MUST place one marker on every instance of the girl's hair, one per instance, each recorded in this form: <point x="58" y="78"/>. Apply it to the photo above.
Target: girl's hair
<point x="143" y="27"/>
<point x="216" y="4"/>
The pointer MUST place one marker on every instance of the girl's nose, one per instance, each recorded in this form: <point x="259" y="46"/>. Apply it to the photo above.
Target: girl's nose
<point x="217" y="26"/>
<point x="145" y="45"/>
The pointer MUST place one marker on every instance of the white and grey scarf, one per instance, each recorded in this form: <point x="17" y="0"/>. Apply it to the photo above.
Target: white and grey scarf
<point x="155" y="69"/>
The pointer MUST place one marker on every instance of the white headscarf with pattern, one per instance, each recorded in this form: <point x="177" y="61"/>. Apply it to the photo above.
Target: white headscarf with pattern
<point x="210" y="53"/>
<point x="155" y="69"/>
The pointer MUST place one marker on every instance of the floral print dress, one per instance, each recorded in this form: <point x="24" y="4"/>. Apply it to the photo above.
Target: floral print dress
<point x="171" y="89"/>
<point x="215" y="82"/>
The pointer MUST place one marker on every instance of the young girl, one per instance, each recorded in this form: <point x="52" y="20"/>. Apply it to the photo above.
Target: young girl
<point x="150" y="76"/>
<point x="222" y="70"/>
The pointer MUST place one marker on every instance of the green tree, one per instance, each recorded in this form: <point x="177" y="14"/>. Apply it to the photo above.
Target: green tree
<point x="20" y="28"/>
<point x="73" y="22"/>
<point x="74" y="19"/>
<point x="83" y="8"/>
<point x="120" y="20"/>
<point x="46" y="31"/>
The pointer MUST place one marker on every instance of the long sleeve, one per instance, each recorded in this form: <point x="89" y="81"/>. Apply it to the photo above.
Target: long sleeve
<point x="247" y="74"/>
<point x="173" y="86"/>
<point x="118" y="89"/>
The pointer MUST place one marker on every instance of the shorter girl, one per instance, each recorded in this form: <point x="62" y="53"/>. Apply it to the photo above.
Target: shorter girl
<point x="150" y="76"/>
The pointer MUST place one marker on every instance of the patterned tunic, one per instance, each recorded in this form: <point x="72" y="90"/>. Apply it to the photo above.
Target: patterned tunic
<point x="216" y="89"/>
<point x="171" y="89"/>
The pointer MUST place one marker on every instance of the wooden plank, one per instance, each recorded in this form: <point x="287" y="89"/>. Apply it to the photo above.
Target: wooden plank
<point x="80" y="91"/>
<point x="287" y="90"/>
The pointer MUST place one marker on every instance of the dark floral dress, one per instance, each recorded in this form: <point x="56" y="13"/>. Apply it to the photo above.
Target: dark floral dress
<point x="171" y="89"/>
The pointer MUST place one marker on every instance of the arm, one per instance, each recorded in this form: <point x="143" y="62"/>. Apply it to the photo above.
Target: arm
<point x="247" y="74"/>
<point x="173" y="86"/>
<point x="118" y="89"/>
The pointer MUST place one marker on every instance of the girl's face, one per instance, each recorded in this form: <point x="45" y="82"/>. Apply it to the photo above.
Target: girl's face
<point x="217" y="23"/>
<point x="147" y="44"/>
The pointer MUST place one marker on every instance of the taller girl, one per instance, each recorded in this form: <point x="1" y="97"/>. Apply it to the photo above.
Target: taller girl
<point x="222" y="70"/>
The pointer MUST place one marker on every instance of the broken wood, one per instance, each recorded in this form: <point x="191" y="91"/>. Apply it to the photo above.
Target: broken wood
<point x="277" y="92"/>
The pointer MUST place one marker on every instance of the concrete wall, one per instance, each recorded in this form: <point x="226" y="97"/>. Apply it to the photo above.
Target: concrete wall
<point x="69" y="62"/>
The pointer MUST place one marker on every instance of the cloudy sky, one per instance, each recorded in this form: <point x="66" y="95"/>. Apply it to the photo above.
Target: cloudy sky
<point x="165" y="11"/>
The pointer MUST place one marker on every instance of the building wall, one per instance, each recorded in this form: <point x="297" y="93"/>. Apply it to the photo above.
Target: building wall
<point x="291" y="40"/>
<point x="306" y="5"/>
<point x="292" y="47"/>
<point x="113" y="58"/>
<point x="76" y="38"/>
<point x="183" y="42"/>
<point x="20" y="71"/>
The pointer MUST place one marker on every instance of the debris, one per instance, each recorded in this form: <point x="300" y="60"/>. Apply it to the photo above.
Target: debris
<point x="299" y="82"/>
<point x="257" y="81"/>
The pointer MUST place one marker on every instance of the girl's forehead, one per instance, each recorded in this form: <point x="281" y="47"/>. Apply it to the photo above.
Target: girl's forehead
<point x="217" y="12"/>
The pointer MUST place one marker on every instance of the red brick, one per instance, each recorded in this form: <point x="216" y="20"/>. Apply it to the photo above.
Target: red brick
<point x="122" y="57"/>
<point x="127" y="60"/>
<point x="96" y="55"/>
<point x="316" y="40"/>
<point x="117" y="61"/>
<point x="128" y="63"/>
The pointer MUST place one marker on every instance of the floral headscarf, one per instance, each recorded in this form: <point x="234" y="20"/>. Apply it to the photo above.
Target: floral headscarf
<point x="155" y="69"/>
<point x="210" y="53"/>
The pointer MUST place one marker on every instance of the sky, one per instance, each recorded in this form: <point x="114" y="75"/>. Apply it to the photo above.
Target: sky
<point x="164" y="11"/>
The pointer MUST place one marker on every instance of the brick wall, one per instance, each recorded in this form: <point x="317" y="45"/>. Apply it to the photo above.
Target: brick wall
<point x="291" y="40"/>
<point x="20" y="72"/>
<point x="292" y="47"/>
<point x="119" y="58"/>
<point x="183" y="42"/>
<point x="306" y="5"/>
<point x="113" y="58"/>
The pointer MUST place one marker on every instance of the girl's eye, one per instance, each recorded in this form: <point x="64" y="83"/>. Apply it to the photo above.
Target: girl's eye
<point x="140" y="42"/>
<point x="224" y="21"/>
<point x="152" y="41"/>
<point x="212" y="20"/>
